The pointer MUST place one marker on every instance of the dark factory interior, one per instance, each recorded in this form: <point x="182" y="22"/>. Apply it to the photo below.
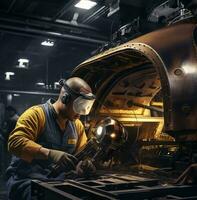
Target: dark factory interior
<point x="127" y="69"/>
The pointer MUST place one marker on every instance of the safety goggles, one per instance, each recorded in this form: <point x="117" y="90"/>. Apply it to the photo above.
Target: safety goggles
<point x="83" y="104"/>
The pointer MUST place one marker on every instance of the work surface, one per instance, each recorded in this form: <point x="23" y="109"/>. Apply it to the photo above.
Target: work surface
<point x="112" y="186"/>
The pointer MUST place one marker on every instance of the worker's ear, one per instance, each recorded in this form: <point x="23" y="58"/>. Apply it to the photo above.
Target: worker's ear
<point x="65" y="98"/>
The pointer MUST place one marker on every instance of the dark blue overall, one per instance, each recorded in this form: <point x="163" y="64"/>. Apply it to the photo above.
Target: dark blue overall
<point x="20" y="172"/>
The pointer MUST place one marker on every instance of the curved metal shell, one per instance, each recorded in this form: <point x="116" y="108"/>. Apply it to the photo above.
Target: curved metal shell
<point x="171" y="51"/>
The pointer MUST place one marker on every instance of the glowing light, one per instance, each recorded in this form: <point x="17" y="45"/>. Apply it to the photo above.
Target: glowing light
<point x="47" y="43"/>
<point x="23" y="60"/>
<point x="23" y="63"/>
<point x="56" y="85"/>
<point x="8" y="74"/>
<point x="40" y="83"/>
<point x="85" y="4"/>
<point x="189" y="68"/>
<point x="16" y="95"/>
<point x="113" y="135"/>
<point x="99" y="130"/>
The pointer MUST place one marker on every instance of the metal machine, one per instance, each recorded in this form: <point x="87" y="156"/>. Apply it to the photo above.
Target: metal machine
<point x="149" y="85"/>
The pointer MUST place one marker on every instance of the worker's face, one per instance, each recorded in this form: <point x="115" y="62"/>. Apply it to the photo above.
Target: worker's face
<point x="70" y="114"/>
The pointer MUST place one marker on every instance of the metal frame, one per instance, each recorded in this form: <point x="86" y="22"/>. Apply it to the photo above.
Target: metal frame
<point x="176" y="70"/>
<point x="112" y="186"/>
<point x="23" y="25"/>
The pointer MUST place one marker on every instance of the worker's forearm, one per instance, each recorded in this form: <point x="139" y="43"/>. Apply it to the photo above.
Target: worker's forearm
<point x="42" y="153"/>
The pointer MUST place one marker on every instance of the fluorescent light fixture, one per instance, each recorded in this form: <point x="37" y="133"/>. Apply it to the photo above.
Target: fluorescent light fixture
<point x="40" y="84"/>
<point x="23" y="60"/>
<point x="16" y="95"/>
<point x="85" y="4"/>
<point x="8" y="74"/>
<point x="56" y="85"/>
<point x="23" y="63"/>
<point x="9" y="98"/>
<point x="47" y="43"/>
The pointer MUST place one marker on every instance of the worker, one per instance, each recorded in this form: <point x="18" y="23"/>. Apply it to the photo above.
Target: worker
<point x="48" y="134"/>
<point x="9" y="123"/>
<point x="11" y="117"/>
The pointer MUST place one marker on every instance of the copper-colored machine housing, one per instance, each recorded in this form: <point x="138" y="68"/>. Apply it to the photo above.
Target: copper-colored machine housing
<point x="157" y="69"/>
<point x="146" y="84"/>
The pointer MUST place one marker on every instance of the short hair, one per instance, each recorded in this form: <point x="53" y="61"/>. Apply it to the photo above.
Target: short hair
<point x="77" y="84"/>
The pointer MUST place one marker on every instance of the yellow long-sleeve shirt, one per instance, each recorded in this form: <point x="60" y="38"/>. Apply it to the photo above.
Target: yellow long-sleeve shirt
<point x="29" y="127"/>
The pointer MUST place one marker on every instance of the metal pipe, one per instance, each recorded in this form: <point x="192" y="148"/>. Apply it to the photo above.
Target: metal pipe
<point x="43" y="22"/>
<point x="95" y="15"/>
<point x="33" y="32"/>
<point x="64" y="9"/>
<point x="29" y="92"/>
<point x="152" y="108"/>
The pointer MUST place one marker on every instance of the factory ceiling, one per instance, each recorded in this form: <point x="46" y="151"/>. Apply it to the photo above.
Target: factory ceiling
<point x="75" y="33"/>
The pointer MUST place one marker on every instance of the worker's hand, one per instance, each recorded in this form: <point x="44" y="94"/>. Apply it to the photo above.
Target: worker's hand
<point x="63" y="159"/>
<point x="85" y="168"/>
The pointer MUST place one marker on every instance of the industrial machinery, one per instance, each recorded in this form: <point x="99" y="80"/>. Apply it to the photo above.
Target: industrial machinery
<point x="109" y="137"/>
<point x="148" y="85"/>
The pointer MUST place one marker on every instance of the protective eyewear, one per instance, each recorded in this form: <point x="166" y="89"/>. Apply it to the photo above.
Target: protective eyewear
<point x="83" y="104"/>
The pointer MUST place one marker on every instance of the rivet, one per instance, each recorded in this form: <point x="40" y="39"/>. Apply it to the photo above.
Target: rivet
<point x="178" y="72"/>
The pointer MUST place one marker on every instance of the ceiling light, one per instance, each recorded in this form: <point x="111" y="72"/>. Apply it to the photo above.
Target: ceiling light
<point x="9" y="98"/>
<point x="47" y="43"/>
<point x="16" y="95"/>
<point x="56" y="85"/>
<point x="85" y="4"/>
<point x="24" y="60"/>
<point x="40" y="84"/>
<point x="8" y="74"/>
<point x="23" y="63"/>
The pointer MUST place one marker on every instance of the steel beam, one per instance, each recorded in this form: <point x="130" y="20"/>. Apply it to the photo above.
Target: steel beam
<point x="101" y="11"/>
<point x="43" y="21"/>
<point x="29" y="92"/>
<point x="50" y="34"/>
<point x="45" y="27"/>
<point x="64" y="9"/>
